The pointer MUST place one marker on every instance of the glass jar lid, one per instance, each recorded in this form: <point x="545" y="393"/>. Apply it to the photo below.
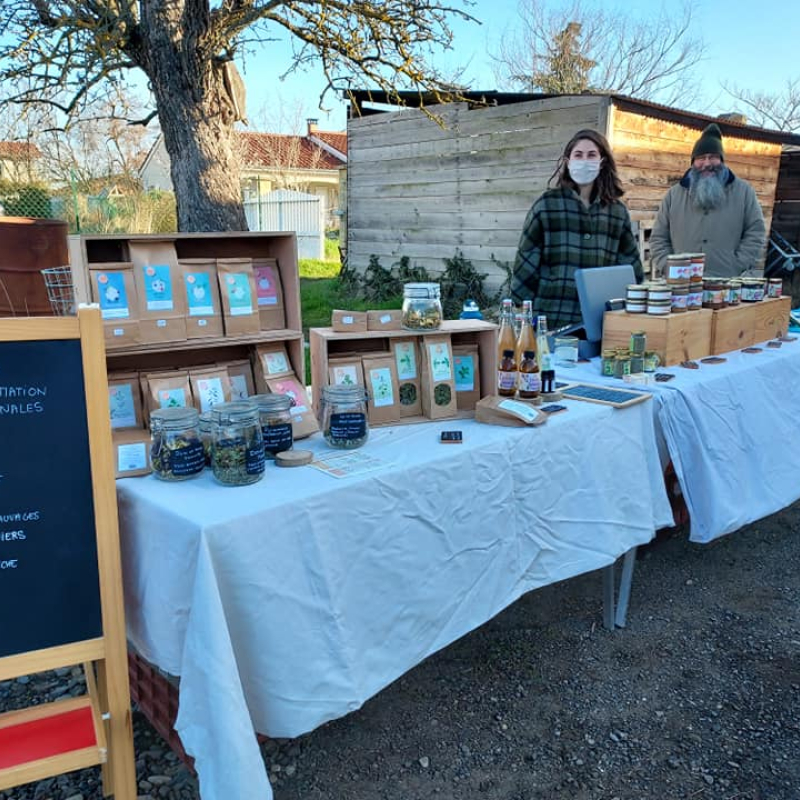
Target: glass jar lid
<point x="344" y="393"/>
<point x="235" y="413"/>
<point x="272" y="401"/>
<point x="422" y="291"/>
<point x="205" y="421"/>
<point x="174" y="419"/>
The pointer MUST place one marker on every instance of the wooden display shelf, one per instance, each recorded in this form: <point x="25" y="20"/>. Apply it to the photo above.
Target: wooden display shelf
<point x="746" y="324"/>
<point x="326" y="343"/>
<point x="50" y="739"/>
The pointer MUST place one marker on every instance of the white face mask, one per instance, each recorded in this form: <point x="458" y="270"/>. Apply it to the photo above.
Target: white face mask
<point x="583" y="171"/>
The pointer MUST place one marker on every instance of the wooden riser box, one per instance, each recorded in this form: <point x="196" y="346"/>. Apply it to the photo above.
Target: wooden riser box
<point x="746" y="324"/>
<point x="675" y="337"/>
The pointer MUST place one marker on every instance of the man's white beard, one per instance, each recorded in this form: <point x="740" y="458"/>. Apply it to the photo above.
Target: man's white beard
<point x="708" y="192"/>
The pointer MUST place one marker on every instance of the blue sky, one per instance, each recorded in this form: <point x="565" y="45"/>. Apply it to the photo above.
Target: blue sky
<point x="751" y="45"/>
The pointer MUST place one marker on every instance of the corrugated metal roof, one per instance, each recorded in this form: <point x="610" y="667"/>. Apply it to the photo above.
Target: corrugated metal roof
<point x="644" y="107"/>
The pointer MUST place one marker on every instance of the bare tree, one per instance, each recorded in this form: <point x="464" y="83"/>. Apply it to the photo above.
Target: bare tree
<point x="649" y="58"/>
<point x="779" y="110"/>
<point x="67" y="52"/>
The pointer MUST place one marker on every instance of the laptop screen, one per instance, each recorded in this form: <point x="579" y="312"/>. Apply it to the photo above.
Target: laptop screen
<point x="595" y="286"/>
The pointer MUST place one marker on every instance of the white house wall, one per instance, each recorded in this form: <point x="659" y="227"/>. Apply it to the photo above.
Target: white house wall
<point x="420" y="190"/>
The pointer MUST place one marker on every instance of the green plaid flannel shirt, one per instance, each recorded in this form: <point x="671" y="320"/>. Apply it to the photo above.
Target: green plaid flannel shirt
<point x="561" y="235"/>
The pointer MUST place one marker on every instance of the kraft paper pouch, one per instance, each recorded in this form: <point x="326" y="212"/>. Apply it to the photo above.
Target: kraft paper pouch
<point x="240" y="374"/>
<point x="131" y="453"/>
<point x="237" y="288"/>
<point x="210" y="386"/>
<point x="438" y="377"/>
<point x="345" y="371"/>
<point x="467" y="374"/>
<point x="304" y="423"/>
<point x="270" y="361"/>
<point x="158" y="286"/>
<point x="388" y="320"/>
<point x="349" y="321"/>
<point x="125" y="400"/>
<point x="168" y="389"/>
<point x="380" y="378"/>
<point x="203" y="305"/>
<point x="269" y="294"/>
<point x="406" y="357"/>
<point x="114" y="289"/>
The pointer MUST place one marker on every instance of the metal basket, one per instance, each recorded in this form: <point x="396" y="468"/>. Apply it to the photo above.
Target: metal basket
<point x="60" y="290"/>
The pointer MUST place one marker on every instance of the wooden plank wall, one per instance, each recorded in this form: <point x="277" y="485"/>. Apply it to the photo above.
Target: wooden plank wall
<point x="420" y="190"/>
<point x="653" y="154"/>
<point x="786" y="219"/>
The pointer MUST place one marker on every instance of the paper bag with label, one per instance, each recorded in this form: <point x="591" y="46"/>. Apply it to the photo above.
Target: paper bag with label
<point x="158" y="285"/>
<point x="168" y="389"/>
<point x="237" y="287"/>
<point x="240" y="374"/>
<point x="269" y="294"/>
<point x="210" y="386"/>
<point x="270" y="361"/>
<point x="495" y="410"/>
<point x="125" y="400"/>
<point x="406" y="358"/>
<point x="131" y="453"/>
<point x="203" y="306"/>
<point x="304" y="423"/>
<point x="345" y="371"/>
<point x="468" y="378"/>
<point x="113" y="287"/>
<point x="438" y="378"/>
<point x="380" y="377"/>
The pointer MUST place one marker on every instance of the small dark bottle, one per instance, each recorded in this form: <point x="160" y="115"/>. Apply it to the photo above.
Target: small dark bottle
<point x="529" y="379"/>
<point x="507" y="375"/>
<point x="548" y="381"/>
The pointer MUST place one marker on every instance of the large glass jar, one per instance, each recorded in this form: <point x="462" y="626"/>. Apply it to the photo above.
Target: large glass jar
<point x="344" y="416"/>
<point x="422" y="306"/>
<point x="176" y="451"/>
<point x="276" y="422"/>
<point x="205" y="426"/>
<point x="237" y="450"/>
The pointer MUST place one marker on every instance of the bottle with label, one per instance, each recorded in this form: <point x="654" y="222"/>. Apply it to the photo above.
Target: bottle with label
<point x="507" y="374"/>
<point x="526" y="339"/>
<point x="529" y="380"/>
<point x="506" y="339"/>
<point x="547" y="370"/>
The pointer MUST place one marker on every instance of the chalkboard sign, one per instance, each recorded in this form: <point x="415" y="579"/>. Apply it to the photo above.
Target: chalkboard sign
<point x="49" y="580"/>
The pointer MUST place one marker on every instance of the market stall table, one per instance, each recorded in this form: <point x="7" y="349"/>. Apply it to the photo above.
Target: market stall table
<point x="288" y="603"/>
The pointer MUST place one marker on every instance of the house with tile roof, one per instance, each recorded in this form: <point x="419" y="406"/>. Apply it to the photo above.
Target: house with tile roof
<point x="271" y="161"/>
<point x="18" y="161"/>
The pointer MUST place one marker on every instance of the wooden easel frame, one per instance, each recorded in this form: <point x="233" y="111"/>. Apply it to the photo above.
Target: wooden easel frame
<point x="108" y="691"/>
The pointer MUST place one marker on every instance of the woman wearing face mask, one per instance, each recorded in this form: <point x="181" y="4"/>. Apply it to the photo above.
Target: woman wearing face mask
<point x="577" y="224"/>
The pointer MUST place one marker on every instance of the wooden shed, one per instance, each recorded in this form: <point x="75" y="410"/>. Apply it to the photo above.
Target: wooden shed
<point x="424" y="189"/>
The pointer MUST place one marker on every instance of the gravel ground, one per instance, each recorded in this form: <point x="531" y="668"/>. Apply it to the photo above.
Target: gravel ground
<point x="697" y="699"/>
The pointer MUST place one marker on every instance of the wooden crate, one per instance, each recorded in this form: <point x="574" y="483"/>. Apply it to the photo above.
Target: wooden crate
<point x="325" y="343"/>
<point x="675" y="337"/>
<point x="771" y="318"/>
<point x="733" y="328"/>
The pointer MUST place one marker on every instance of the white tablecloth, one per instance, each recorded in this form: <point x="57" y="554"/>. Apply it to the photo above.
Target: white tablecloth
<point x="291" y="602"/>
<point x="732" y="431"/>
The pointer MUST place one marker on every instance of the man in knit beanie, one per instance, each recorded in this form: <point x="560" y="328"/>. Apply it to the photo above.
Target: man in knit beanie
<point x="710" y="211"/>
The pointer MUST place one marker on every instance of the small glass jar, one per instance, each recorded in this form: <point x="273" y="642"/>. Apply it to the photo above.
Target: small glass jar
<point x="659" y="292"/>
<point x="637" y="292"/>
<point x="622" y="366"/>
<point x="607" y="363"/>
<point x="734" y="292"/>
<point x="276" y="422"/>
<point x="176" y="452"/>
<point x="635" y="306"/>
<point x="237" y="452"/>
<point x="714" y="293"/>
<point x="694" y="299"/>
<point x="775" y="287"/>
<point x="206" y="427"/>
<point x="422" y="307"/>
<point x="344" y="416"/>
<point x="679" y="268"/>
<point x="659" y="307"/>
<point x="698" y="266"/>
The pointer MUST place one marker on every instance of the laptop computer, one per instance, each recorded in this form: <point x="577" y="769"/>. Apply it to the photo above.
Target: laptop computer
<point x="595" y="286"/>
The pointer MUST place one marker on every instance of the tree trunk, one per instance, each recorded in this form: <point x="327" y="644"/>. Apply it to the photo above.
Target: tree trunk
<point x="196" y="118"/>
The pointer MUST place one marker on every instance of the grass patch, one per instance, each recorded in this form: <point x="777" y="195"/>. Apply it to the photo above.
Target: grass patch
<point x="316" y="268"/>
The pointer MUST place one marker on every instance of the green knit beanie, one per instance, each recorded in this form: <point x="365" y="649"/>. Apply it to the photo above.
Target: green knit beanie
<point x="709" y="143"/>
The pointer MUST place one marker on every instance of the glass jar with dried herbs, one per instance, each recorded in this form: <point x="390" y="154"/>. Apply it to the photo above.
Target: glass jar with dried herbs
<point x="237" y="450"/>
<point x="176" y="451"/>
<point x="344" y="416"/>
<point x="422" y="307"/>
<point x="276" y="422"/>
<point x="206" y="426"/>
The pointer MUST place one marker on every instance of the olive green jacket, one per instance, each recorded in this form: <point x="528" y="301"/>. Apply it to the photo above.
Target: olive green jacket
<point x="732" y="236"/>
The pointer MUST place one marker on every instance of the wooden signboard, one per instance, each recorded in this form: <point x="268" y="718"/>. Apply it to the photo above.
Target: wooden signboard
<point x="60" y="579"/>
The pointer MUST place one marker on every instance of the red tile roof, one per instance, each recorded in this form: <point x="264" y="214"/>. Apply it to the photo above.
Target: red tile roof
<point x="19" y="151"/>
<point x="282" y="150"/>
<point x="334" y="139"/>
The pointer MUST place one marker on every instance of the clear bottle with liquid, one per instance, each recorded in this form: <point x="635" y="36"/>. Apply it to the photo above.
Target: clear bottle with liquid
<point x="529" y="381"/>
<point x="546" y="367"/>
<point x="506" y="338"/>
<point x="526" y="338"/>
<point x="507" y="374"/>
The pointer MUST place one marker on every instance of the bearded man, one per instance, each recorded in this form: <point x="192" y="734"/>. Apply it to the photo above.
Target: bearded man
<point x="710" y="211"/>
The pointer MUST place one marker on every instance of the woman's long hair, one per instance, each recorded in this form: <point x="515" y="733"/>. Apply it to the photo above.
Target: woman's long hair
<point x="607" y="186"/>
